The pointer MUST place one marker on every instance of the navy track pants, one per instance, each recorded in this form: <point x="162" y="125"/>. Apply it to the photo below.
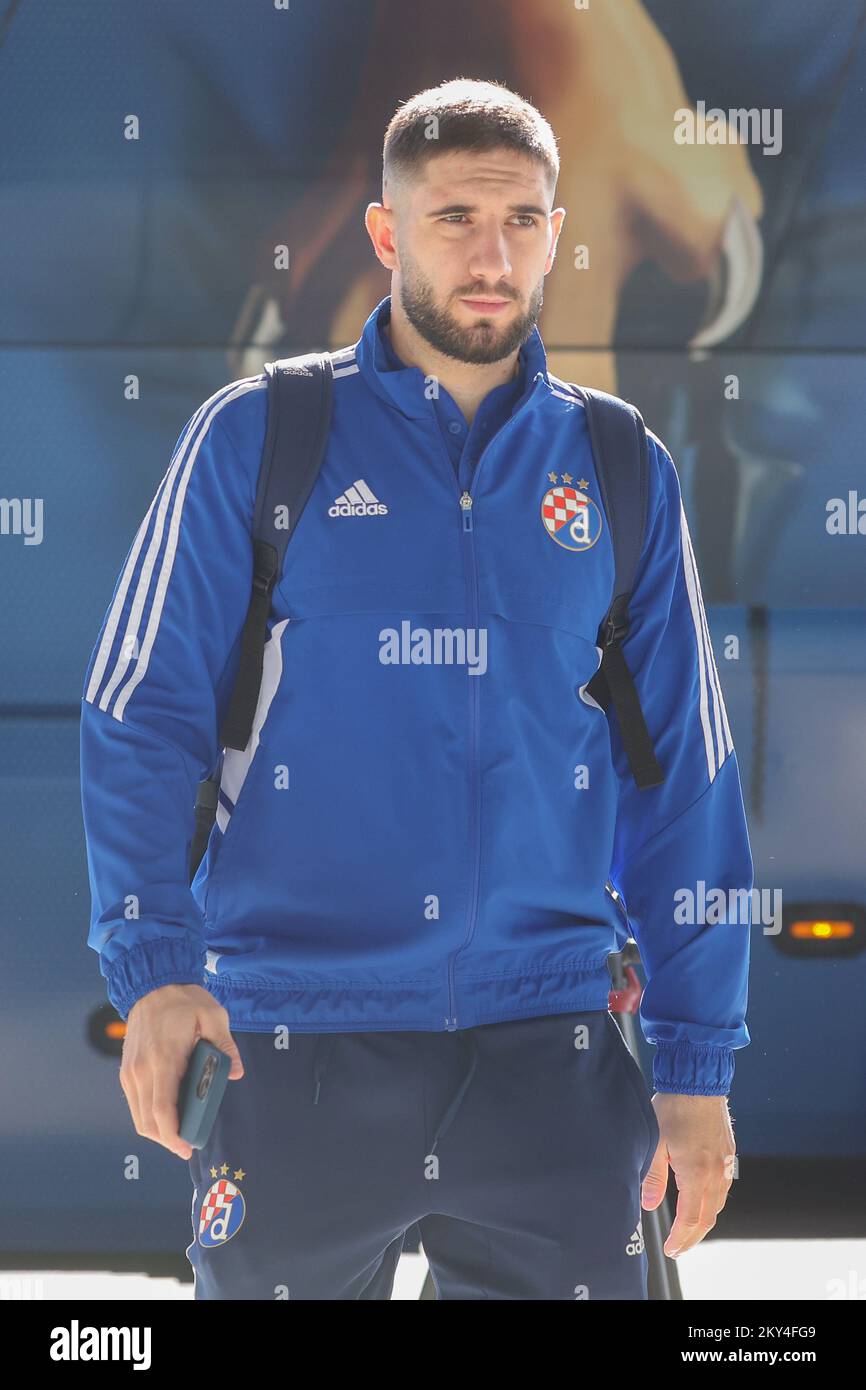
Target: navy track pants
<point x="518" y="1148"/>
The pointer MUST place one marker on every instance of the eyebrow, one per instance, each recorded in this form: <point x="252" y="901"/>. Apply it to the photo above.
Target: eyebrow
<point x="473" y="207"/>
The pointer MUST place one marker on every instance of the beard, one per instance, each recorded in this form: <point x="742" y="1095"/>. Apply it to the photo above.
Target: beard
<point x="481" y="343"/>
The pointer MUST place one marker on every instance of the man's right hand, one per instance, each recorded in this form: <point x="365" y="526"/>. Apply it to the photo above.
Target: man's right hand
<point x="162" y="1029"/>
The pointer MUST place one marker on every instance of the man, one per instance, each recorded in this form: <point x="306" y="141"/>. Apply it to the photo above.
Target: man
<point x="403" y="914"/>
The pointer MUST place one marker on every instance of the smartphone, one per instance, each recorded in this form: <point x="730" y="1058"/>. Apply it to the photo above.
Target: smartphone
<point x="201" y="1091"/>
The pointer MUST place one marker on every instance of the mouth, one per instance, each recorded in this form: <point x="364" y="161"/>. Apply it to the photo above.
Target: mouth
<point x="486" y="306"/>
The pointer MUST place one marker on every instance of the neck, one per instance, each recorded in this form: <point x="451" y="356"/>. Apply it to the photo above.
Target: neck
<point x="466" y="382"/>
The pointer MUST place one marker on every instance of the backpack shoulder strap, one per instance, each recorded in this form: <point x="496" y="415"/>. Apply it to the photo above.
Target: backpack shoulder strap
<point x="299" y="396"/>
<point x="617" y="436"/>
<point x="299" y="422"/>
<point x="299" y="419"/>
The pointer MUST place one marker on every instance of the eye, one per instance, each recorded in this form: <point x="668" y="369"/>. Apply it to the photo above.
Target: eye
<point x="527" y="217"/>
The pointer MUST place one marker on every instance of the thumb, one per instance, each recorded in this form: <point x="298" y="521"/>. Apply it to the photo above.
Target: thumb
<point x="683" y="196"/>
<point x="655" y="1183"/>
<point x="221" y="1037"/>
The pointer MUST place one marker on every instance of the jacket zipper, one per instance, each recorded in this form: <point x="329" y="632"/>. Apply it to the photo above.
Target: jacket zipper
<point x="466" y="502"/>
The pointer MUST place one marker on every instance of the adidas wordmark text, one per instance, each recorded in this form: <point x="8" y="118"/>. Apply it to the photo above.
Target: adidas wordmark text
<point x="358" y="500"/>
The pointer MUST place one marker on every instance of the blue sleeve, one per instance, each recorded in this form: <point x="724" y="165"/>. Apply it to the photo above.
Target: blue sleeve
<point x="676" y="843"/>
<point x="152" y="693"/>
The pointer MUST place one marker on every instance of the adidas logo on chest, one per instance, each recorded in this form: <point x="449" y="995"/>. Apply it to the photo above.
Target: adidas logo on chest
<point x="358" y="500"/>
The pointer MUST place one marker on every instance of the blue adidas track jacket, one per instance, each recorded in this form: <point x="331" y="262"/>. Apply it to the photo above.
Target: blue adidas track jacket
<point x="421" y="830"/>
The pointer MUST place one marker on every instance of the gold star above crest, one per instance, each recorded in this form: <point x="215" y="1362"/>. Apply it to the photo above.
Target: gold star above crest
<point x="554" y="477"/>
<point x="223" y="1170"/>
<point x="582" y="482"/>
<point x="566" y="477"/>
<point x="214" y="1173"/>
<point x="239" y="1175"/>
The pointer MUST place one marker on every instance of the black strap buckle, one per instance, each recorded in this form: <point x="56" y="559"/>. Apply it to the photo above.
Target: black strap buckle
<point x="613" y="629"/>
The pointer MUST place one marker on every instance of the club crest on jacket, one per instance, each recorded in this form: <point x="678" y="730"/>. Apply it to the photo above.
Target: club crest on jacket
<point x="569" y="515"/>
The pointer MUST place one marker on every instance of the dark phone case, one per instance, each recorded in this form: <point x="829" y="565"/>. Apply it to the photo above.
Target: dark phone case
<point x="201" y="1091"/>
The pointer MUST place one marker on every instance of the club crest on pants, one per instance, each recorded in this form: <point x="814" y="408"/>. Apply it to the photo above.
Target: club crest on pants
<point x="222" y="1211"/>
<point x="570" y="517"/>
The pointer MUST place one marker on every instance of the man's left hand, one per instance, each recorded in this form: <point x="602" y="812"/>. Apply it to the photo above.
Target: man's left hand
<point x="697" y="1141"/>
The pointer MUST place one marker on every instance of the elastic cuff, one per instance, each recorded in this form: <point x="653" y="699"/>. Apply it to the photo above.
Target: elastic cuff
<point x="693" y="1069"/>
<point x="168" y="960"/>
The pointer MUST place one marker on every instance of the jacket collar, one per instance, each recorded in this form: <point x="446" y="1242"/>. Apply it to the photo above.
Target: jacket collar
<point x="404" y="387"/>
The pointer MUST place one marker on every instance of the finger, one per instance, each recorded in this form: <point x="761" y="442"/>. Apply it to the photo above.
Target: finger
<point x="166" y="1087"/>
<point x="706" y="1222"/>
<point x="129" y="1086"/>
<point x="721" y="1194"/>
<point x="213" y="1026"/>
<point x="151" y="1095"/>
<point x="690" y="1205"/>
<point x="655" y="1184"/>
<point x="145" y="1097"/>
<point x="222" y="1038"/>
<point x="742" y="250"/>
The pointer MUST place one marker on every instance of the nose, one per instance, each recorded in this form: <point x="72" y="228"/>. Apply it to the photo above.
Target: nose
<point x="489" y="261"/>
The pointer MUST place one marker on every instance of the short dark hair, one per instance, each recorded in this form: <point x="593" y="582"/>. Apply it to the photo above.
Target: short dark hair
<point x="465" y="114"/>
